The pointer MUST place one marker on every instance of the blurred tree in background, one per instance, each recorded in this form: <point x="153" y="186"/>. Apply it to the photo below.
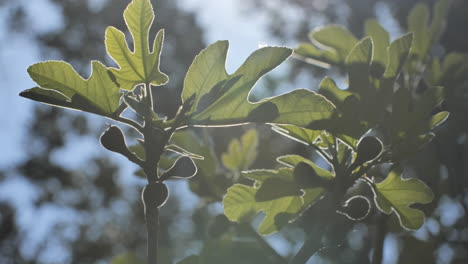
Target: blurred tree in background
<point x="103" y="215"/>
<point x="442" y="163"/>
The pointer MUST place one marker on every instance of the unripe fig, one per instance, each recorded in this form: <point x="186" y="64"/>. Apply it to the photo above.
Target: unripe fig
<point x="356" y="208"/>
<point x="155" y="194"/>
<point x="113" y="139"/>
<point x="368" y="149"/>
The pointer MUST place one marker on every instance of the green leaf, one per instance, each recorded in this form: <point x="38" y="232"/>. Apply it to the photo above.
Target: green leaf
<point x="276" y="193"/>
<point x="396" y="194"/>
<point x="293" y="160"/>
<point x="206" y="74"/>
<point x="276" y="188"/>
<point x="54" y="98"/>
<point x="336" y="37"/>
<point x="358" y="66"/>
<point x="240" y="202"/>
<point x="330" y="90"/>
<point x="330" y="45"/>
<point x="381" y="40"/>
<point x="439" y="14"/>
<point x="61" y="85"/>
<point x="311" y="54"/>
<point x="222" y="99"/>
<point x="241" y="154"/>
<point x="299" y="134"/>
<point x="141" y="65"/>
<point x="259" y="176"/>
<point x="418" y="20"/>
<point x="439" y="118"/>
<point x="397" y="53"/>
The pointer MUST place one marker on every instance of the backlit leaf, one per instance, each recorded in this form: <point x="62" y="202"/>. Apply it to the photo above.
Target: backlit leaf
<point x="396" y="194"/>
<point x="276" y="193"/>
<point x="222" y="99"/>
<point x="336" y="37"/>
<point x="397" y="53"/>
<point x="302" y="135"/>
<point x="140" y="65"/>
<point x="61" y="85"/>
<point x="240" y="202"/>
<point x="241" y="154"/>
<point x="381" y="40"/>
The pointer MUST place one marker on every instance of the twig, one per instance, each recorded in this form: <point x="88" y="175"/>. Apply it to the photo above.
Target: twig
<point x="130" y="123"/>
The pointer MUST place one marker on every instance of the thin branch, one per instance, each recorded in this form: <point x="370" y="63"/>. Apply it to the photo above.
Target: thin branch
<point x="130" y="123"/>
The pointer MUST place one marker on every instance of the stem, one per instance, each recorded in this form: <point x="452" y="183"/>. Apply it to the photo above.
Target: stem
<point x="379" y="240"/>
<point x="130" y="123"/>
<point x="156" y="140"/>
<point x="153" y="153"/>
<point x="149" y="95"/>
<point x="152" y="226"/>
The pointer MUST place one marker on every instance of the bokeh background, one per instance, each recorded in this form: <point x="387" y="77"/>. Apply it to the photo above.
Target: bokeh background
<point x="64" y="199"/>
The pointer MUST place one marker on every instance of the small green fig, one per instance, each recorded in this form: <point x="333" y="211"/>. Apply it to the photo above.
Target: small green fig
<point x="155" y="194"/>
<point x="113" y="139"/>
<point x="368" y="149"/>
<point x="183" y="167"/>
<point x="356" y="208"/>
